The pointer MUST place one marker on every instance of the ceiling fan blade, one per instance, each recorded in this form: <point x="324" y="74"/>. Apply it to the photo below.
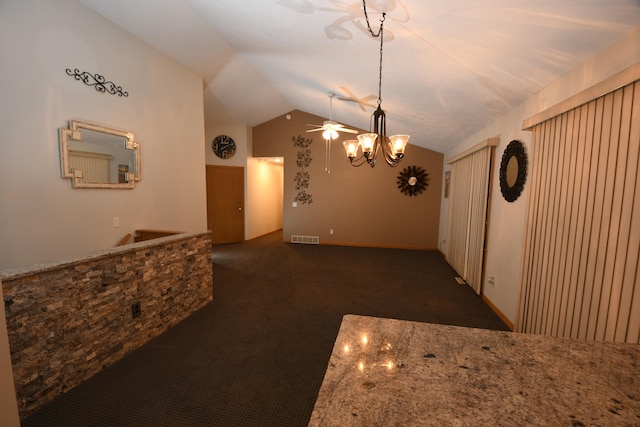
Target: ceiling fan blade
<point x="362" y="102"/>
<point x="315" y="130"/>
<point x="344" y="98"/>
<point x="350" y="95"/>
<point x="341" y="128"/>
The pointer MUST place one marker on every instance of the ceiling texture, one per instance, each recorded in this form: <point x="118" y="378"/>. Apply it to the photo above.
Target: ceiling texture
<point x="449" y="69"/>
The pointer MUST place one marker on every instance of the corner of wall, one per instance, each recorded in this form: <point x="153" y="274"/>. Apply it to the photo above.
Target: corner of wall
<point x="8" y="402"/>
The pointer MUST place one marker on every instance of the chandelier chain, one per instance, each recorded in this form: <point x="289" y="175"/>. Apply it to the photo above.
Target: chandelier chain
<point x="381" y="35"/>
<point x="376" y="140"/>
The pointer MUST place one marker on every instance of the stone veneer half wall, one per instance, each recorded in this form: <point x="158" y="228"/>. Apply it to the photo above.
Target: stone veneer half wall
<point x="68" y="320"/>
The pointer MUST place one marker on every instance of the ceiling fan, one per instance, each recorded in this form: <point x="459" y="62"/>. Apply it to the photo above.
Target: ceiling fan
<point x="330" y="127"/>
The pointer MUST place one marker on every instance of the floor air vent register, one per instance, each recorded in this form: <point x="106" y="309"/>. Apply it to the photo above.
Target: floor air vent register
<point x="308" y="240"/>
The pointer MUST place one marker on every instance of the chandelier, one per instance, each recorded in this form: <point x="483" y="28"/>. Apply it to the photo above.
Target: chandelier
<point x="371" y="143"/>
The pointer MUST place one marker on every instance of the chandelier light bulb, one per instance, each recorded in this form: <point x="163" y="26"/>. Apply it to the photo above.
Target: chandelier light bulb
<point x="367" y="140"/>
<point x="351" y="147"/>
<point x="398" y="143"/>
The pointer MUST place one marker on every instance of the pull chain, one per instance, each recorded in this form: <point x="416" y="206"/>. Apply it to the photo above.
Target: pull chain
<point x="380" y="78"/>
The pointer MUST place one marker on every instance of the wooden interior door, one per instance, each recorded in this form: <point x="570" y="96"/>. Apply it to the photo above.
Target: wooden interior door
<point x="225" y="203"/>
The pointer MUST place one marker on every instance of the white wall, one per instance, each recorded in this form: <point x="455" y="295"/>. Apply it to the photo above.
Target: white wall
<point x="508" y="220"/>
<point x="263" y="181"/>
<point x="42" y="217"/>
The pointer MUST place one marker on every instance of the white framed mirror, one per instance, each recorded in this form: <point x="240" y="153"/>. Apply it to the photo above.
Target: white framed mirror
<point x="95" y="156"/>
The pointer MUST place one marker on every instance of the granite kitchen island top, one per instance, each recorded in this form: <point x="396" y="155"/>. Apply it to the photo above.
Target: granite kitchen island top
<point x="386" y="372"/>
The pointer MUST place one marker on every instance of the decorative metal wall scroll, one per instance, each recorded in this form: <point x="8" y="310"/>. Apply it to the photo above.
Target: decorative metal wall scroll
<point x="513" y="171"/>
<point x="412" y="180"/>
<point x="303" y="160"/>
<point x="97" y="81"/>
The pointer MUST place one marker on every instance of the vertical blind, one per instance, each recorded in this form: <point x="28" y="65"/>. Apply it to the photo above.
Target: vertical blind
<point x="94" y="166"/>
<point x="583" y="230"/>
<point x="469" y="187"/>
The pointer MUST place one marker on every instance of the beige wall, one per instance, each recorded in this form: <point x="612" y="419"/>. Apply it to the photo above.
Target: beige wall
<point x="363" y="206"/>
<point x="43" y="218"/>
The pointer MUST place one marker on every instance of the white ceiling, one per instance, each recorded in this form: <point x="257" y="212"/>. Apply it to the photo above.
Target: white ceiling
<point x="449" y="67"/>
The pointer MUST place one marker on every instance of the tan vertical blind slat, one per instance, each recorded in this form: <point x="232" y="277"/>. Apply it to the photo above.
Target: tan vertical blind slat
<point x="587" y="178"/>
<point x="620" y="216"/>
<point x="613" y="199"/>
<point x="552" y="231"/>
<point x="601" y="137"/>
<point x="577" y="220"/>
<point x="584" y="216"/>
<point x="627" y="250"/>
<point x="540" y="245"/>
<point x="529" y="295"/>
<point x="562" y="218"/>
<point x="632" y="269"/>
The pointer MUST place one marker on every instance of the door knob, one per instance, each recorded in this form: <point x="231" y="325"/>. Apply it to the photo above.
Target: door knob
<point x="240" y="208"/>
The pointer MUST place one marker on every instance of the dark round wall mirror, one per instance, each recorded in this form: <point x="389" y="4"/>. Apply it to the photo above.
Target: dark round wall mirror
<point x="513" y="171"/>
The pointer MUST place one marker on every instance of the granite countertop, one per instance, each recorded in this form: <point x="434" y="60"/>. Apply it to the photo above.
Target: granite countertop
<point x="386" y="372"/>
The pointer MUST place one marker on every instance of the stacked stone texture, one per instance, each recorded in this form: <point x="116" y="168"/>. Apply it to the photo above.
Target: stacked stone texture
<point x="68" y="322"/>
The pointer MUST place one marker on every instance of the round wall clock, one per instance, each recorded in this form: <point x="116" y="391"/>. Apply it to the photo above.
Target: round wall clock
<point x="223" y="146"/>
<point x="412" y="180"/>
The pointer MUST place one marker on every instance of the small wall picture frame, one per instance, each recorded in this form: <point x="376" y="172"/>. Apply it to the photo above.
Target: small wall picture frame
<point x="447" y="179"/>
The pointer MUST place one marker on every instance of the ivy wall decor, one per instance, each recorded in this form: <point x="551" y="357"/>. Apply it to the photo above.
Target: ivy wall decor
<point x="412" y="180"/>
<point x="303" y="160"/>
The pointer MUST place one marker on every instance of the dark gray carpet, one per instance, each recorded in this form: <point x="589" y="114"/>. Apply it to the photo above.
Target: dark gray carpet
<point x="256" y="355"/>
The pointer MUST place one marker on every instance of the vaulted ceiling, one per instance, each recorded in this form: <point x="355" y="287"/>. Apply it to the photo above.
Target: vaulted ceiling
<point x="449" y="67"/>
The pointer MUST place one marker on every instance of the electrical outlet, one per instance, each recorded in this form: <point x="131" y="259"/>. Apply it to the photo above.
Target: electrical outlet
<point x="294" y="204"/>
<point x="135" y="310"/>
<point x="116" y="222"/>
<point x="331" y="231"/>
<point x="491" y="280"/>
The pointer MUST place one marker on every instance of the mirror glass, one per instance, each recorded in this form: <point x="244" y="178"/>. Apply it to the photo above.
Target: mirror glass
<point x="512" y="171"/>
<point x="94" y="156"/>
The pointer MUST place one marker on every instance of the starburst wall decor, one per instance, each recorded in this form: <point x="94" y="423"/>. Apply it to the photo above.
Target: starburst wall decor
<point x="413" y="180"/>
